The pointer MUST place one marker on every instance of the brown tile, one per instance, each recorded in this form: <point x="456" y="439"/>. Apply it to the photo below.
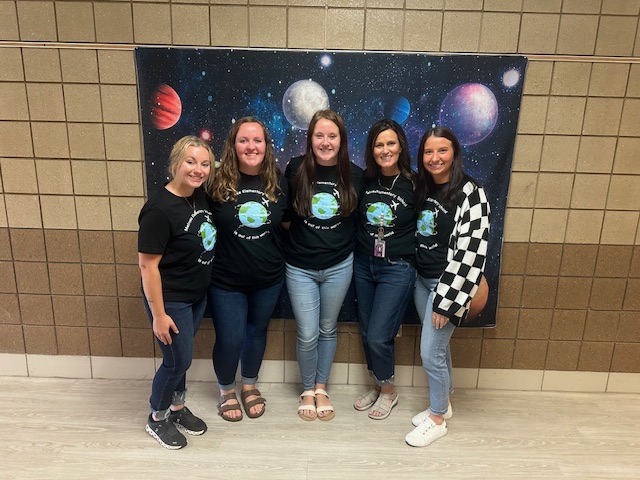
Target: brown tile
<point x="105" y="342"/>
<point x="275" y="346"/>
<point x="632" y="295"/>
<point x="342" y="349"/>
<point x="534" y="323"/>
<point x="629" y="327"/>
<point x="573" y="292"/>
<point x="539" y="292"/>
<point x="607" y="293"/>
<point x="601" y="326"/>
<point x="626" y="358"/>
<point x="9" y="309"/>
<point x="544" y="259"/>
<point x="461" y="332"/>
<point x="5" y="245"/>
<point x="40" y="339"/>
<point x="506" y="324"/>
<point x="66" y="278"/>
<point x="497" y="353"/>
<point x="32" y="277"/>
<point x="7" y="278"/>
<point x="290" y="346"/>
<point x="28" y="244"/>
<point x="11" y="339"/>
<point x="530" y="354"/>
<point x="514" y="258"/>
<point x="356" y="353"/>
<point x="579" y="260"/>
<point x="99" y="279"/>
<point x="128" y="277"/>
<point x="126" y="247"/>
<point x="465" y="352"/>
<point x="62" y="245"/>
<point x="510" y="290"/>
<point x="595" y="356"/>
<point x="568" y="324"/>
<point x="138" y="342"/>
<point x="36" y="309"/>
<point x="133" y="314"/>
<point x="102" y="311"/>
<point x="72" y="340"/>
<point x="69" y="310"/>
<point x="634" y="270"/>
<point x="613" y="260"/>
<point x="405" y="353"/>
<point x="201" y="349"/>
<point x="96" y="246"/>
<point x="562" y="356"/>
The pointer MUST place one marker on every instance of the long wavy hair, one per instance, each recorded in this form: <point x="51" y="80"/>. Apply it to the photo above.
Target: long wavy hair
<point x="404" y="160"/>
<point x="224" y="187"/>
<point x="307" y="175"/>
<point x="179" y="150"/>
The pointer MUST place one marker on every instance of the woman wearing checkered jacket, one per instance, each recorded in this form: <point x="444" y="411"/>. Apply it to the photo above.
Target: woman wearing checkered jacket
<point x="452" y="232"/>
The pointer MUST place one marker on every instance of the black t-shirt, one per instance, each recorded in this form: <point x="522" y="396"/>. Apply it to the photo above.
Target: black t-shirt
<point x="250" y="250"/>
<point x="185" y="236"/>
<point x="393" y="197"/>
<point x="434" y="226"/>
<point x="325" y="238"/>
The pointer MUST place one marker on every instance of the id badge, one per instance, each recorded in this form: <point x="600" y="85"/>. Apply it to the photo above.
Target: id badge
<point x="379" y="247"/>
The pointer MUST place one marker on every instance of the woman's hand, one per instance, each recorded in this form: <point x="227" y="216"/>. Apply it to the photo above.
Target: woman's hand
<point x="438" y="320"/>
<point x="162" y="325"/>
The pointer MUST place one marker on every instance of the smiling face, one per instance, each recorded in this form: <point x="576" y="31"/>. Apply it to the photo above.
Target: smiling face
<point x="386" y="152"/>
<point x="250" y="148"/>
<point x="437" y="158"/>
<point x="193" y="170"/>
<point x="325" y="142"/>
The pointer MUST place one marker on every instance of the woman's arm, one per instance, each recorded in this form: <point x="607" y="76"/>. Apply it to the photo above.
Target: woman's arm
<point x="152" y="289"/>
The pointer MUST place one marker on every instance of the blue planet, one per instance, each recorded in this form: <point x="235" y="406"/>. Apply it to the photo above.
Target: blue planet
<point x="209" y="234"/>
<point x="324" y="206"/>
<point x="398" y="109"/>
<point x="377" y="211"/>
<point x="471" y="111"/>
<point x="253" y="214"/>
<point x="426" y="224"/>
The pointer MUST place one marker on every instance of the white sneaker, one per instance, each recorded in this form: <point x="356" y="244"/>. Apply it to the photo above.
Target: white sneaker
<point x="420" y="417"/>
<point x="426" y="433"/>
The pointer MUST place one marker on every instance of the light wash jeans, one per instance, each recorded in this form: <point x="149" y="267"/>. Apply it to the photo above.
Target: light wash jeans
<point x="434" y="347"/>
<point x="316" y="298"/>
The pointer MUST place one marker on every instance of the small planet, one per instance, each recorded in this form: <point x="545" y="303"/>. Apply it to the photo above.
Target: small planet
<point x="511" y="78"/>
<point x="166" y="107"/>
<point x="301" y="100"/>
<point x="324" y="206"/>
<point x="209" y="235"/>
<point x="379" y="211"/>
<point x="471" y="111"/>
<point x="426" y="223"/>
<point x="398" y="109"/>
<point x="253" y="214"/>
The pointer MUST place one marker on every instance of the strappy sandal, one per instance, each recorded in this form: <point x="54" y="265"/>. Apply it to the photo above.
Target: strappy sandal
<point x="252" y="403"/>
<point x="307" y="408"/>
<point x="327" y="409"/>
<point x="366" y="400"/>
<point x="222" y="408"/>
<point x="384" y="405"/>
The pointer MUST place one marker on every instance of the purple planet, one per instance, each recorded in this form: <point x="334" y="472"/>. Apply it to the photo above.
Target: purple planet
<point x="471" y="111"/>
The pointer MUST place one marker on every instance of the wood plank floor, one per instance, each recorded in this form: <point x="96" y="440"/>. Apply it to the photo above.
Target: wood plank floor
<point x="94" y="430"/>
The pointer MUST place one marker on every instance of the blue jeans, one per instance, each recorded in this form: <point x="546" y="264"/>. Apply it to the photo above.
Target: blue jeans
<point x="383" y="288"/>
<point x="169" y="383"/>
<point x="316" y="298"/>
<point x="434" y="347"/>
<point x="241" y="319"/>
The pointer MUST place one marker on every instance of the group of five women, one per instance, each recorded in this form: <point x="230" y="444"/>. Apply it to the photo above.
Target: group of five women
<point x="322" y="223"/>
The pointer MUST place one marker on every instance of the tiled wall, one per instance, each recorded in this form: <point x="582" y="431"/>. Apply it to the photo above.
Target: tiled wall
<point x="72" y="171"/>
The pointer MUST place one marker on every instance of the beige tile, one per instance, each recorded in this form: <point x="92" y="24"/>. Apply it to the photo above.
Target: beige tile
<point x="11" y="61"/>
<point x="584" y="226"/>
<point x="75" y="22"/>
<point x="152" y="24"/>
<point x="619" y="228"/>
<point x="93" y="213"/>
<point x="416" y="23"/>
<point x="190" y="24"/>
<point x="620" y="7"/>
<point x="460" y="31"/>
<point x="58" y="212"/>
<point x="3" y="213"/>
<point x="549" y="226"/>
<point x="15" y="139"/>
<point x="577" y="34"/>
<point x="54" y="176"/>
<point x="229" y="26"/>
<point x="82" y="103"/>
<point x="633" y="86"/>
<point x="410" y="4"/>
<point x="461" y="4"/>
<point x="581" y="6"/>
<point x="629" y="125"/>
<point x="89" y="177"/>
<point x="502" y="5"/>
<point x="307" y="3"/>
<point x="113" y="22"/>
<point x="383" y="30"/>
<point x="79" y="66"/>
<point x="538" y="33"/>
<point x="37" y="21"/>
<point x="627" y="158"/>
<point x="522" y="189"/>
<point x="8" y="21"/>
<point x="45" y="101"/>
<point x="23" y="211"/>
<point x="125" y="212"/>
<point x="616" y="36"/>
<point x="117" y="67"/>
<point x="18" y="175"/>
<point x="538" y="78"/>
<point x="602" y="116"/>
<point x="123" y="142"/>
<point x="533" y="111"/>
<point x="596" y="154"/>
<point x="570" y="78"/>
<point x="119" y="103"/>
<point x="64" y="366"/>
<point x="306" y="28"/>
<point x="624" y="192"/>
<point x="565" y="115"/>
<point x="13" y="364"/>
<point x="129" y="368"/>
<point x="553" y="190"/>
<point x="41" y="65"/>
<point x="505" y="379"/>
<point x="541" y="5"/>
<point x="267" y="2"/>
<point x="125" y="179"/>
<point x="526" y="157"/>
<point x="608" y="80"/>
<point x="517" y="224"/>
<point x="86" y="140"/>
<point x="268" y="27"/>
<point x="50" y="139"/>
<point x="13" y="102"/>
<point x="590" y="191"/>
<point x="575" y="381"/>
<point x="623" y="382"/>
<point x="559" y="153"/>
<point x="500" y="32"/>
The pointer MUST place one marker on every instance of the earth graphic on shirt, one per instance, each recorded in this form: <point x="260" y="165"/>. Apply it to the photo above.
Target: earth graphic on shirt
<point x="324" y="206"/>
<point x="209" y="234"/>
<point x="253" y="214"/>
<point x="426" y="224"/>
<point x="379" y="210"/>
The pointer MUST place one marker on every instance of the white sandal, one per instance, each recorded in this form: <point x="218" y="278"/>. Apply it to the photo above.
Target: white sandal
<point x="331" y="413"/>
<point x="366" y="400"/>
<point x="307" y="408"/>
<point x="384" y="405"/>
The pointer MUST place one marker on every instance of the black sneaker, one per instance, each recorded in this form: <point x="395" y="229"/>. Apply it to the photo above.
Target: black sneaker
<point x="165" y="432"/>
<point x="188" y="422"/>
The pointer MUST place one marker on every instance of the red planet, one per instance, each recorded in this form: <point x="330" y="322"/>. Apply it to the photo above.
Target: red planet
<point x="166" y="107"/>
